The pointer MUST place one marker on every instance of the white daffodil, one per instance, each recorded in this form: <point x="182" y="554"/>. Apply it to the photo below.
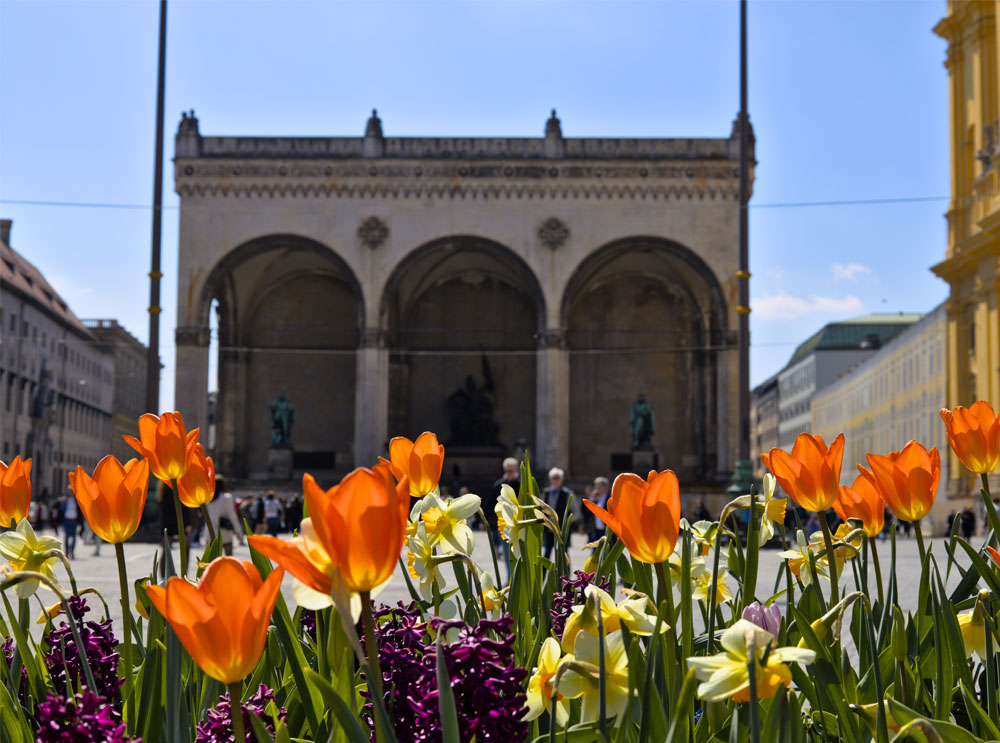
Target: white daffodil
<point x="421" y="562"/>
<point x="446" y="520"/>
<point x="774" y="510"/>
<point x="725" y="674"/>
<point x="540" y="689"/>
<point x="25" y="551"/>
<point x="582" y="676"/>
<point x="510" y="514"/>
<point x="702" y="586"/>
<point x="703" y="534"/>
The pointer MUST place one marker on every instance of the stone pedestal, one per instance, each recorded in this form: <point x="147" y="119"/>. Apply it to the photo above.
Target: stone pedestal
<point x="279" y="464"/>
<point x="640" y="462"/>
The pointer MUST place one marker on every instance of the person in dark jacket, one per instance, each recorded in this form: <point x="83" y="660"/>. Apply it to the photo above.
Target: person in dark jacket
<point x="557" y="496"/>
<point x="512" y="478"/>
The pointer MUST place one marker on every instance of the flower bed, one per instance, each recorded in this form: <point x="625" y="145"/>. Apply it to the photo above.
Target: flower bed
<point x="649" y="642"/>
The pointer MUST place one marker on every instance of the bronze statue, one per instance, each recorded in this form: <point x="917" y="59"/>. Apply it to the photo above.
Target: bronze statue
<point x="470" y="411"/>
<point x="282" y="418"/>
<point x="641" y="418"/>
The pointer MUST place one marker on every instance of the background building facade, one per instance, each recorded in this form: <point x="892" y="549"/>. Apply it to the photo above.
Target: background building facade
<point x="764" y="420"/>
<point x="129" y="398"/>
<point x="890" y="398"/>
<point x="57" y="385"/>
<point x="972" y="263"/>
<point x="391" y="284"/>
<point x="823" y="358"/>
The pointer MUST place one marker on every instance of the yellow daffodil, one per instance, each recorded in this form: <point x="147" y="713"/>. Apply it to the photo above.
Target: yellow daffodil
<point x="725" y="674"/>
<point x="774" y="510"/>
<point x="25" y="551"/>
<point x="491" y="596"/>
<point x="972" y="625"/>
<point x="581" y="678"/>
<point x="798" y="561"/>
<point x="636" y="613"/>
<point x="540" y="689"/>
<point x="421" y="563"/>
<point x="703" y="585"/>
<point x="446" y="520"/>
<point x="510" y="514"/>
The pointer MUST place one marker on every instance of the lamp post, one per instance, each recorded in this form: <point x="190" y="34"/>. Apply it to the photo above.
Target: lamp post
<point x="153" y="359"/>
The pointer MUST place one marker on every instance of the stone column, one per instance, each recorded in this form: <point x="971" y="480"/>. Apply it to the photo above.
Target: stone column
<point x="191" y="375"/>
<point x="371" y="398"/>
<point x="551" y="447"/>
<point x="230" y="411"/>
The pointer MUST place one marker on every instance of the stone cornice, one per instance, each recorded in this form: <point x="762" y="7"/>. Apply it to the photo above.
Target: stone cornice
<point x="468" y="148"/>
<point x="378" y="178"/>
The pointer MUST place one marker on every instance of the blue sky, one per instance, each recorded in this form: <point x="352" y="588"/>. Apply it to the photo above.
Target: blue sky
<point x="848" y="100"/>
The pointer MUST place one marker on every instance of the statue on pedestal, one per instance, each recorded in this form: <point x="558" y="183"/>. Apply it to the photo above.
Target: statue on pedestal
<point x="641" y="417"/>
<point x="282" y="418"/>
<point x="470" y="411"/>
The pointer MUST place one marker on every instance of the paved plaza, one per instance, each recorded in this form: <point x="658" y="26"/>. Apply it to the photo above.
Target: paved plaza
<point x="101" y="572"/>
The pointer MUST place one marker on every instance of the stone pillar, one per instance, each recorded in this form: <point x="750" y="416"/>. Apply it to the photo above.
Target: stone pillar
<point x="191" y="375"/>
<point x="726" y="418"/>
<point x="551" y="447"/>
<point x="371" y="398"/>
<point x="230" y="412"/>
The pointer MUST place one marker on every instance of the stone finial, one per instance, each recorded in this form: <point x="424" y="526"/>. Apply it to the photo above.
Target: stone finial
<point x="554" y="145"/>
<point x="374" y="144"/>
<point x="187" y="142"/>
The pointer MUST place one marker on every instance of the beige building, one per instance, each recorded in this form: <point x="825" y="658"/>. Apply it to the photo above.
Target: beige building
<point x="56" y="384"/>
<point x="503" y="292"/>
<point x="129" y="399"/>
<point x="972" y="261"/>
<point x="764" y="419"/>
<point x="890" y="398"/>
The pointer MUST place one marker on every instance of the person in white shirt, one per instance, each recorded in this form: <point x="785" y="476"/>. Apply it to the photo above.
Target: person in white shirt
<point x="225" y="520"/>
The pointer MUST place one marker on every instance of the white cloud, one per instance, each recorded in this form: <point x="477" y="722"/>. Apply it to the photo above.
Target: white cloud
<point x="786" y="307"/>
<point x="849" y="271"/>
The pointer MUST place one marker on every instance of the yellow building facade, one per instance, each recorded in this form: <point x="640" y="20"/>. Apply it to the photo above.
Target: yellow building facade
<point x="972" y="263"/>
<point x="890" y="398"/>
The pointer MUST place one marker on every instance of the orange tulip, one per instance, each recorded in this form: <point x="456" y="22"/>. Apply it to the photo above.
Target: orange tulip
<point x="356" y="528"/>
<point x="862" y="501"/>
<point x="166" y="443"/>
<point x="15" y="491"/>
<point x="974" y="435"/>
<point x="811" y="473"/>
<point x="645" y="514"/>
<point x="908" y="480"/>
<point x="994" y="554"/>
<point x="197" y="487"/>
<point x="222" y="622"/>
<point x="113" y="499"/>
<point x="420" y="460"/>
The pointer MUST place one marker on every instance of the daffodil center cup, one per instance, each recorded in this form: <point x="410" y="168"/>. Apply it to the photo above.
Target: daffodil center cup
<point x="435" y="520"/>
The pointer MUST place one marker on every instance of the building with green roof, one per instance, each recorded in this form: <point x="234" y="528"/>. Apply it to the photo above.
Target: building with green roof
<point x="823" y="357"/>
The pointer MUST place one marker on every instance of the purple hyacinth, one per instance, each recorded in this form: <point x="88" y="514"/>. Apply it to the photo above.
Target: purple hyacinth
<point x="87" y="718"/>
<point x="309" y="623"/>
<point x="485" y="680"/>
<point x="7" y="648"/>
<point x="572" y="594"/>
<point x="217" y="727"/>
<point x="766" y="617"/>
<point x="63" y="660"/>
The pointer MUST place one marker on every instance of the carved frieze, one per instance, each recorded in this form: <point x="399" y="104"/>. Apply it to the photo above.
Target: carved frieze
<point x="192" y="335"/>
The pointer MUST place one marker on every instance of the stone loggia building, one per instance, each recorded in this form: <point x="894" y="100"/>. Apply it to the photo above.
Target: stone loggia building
<point x="374" y="277"/>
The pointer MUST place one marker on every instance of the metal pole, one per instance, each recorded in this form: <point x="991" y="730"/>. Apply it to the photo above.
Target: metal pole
<point x="153" y="356"/>
<point x="744" y="272"/>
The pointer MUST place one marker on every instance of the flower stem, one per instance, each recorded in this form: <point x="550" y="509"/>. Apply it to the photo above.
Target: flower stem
<point x="374" y="669"/>
<point x="878" y="571"/>
<point x="126" y="616"/>
<point x="208" y="522"/>
<point x="991" y="511"/>
<point x="181" y="534"/>
<point x="920" y="541"/>
<point x="236" y="711"/>
<point x="830" y="557"/>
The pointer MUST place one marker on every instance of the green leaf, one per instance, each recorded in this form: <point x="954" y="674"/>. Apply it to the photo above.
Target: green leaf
<point x="446" y="699"/>
<point x="13" y="727"/>
<point x="348" y="721"/>
<point x="682" y="712"/>
<point x="260" y="729"/>
<point x="949" y="732"/>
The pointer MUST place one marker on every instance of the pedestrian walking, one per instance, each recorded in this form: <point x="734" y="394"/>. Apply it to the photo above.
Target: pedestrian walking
<point x="224" y="517"/>
<point x="556" y="495"/>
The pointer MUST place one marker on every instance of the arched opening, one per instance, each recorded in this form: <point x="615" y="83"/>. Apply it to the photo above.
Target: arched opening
<point x="644" y="316"/>
<point x="289" y="310"/>
<point x="461" y="317"/>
